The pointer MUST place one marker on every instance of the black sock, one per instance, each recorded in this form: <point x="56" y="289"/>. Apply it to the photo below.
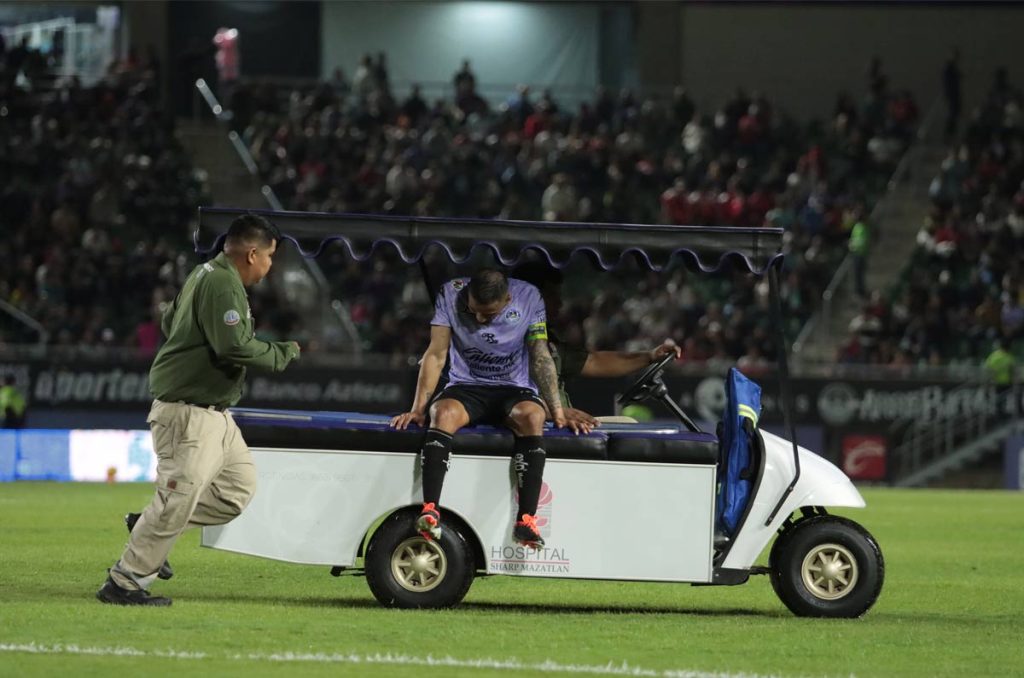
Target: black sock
<point x="529" y="464"/>
<point x="434" y="460"/>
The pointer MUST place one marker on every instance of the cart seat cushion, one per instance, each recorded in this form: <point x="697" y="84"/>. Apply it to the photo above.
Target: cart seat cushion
<point x="682" y="447"/>
<point x="372" y="433"/>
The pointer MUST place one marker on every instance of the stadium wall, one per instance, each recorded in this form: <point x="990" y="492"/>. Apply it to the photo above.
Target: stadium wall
<point x="781" y="48"/>
<point x="851" y="420"/>
<point x="554" y="45"/>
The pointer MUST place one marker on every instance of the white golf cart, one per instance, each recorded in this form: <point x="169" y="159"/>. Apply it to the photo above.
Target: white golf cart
<point x="338" y="489"/>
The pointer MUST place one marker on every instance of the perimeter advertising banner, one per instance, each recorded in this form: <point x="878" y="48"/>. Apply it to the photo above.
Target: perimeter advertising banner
<point x="831" y="402"/>
<point x="853" y="406"/>
<point x="107" y="386"/>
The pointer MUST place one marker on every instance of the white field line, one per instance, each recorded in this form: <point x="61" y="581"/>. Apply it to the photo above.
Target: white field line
<point x="387" y="659"/>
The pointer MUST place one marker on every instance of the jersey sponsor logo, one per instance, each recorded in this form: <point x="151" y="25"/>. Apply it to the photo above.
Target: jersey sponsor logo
<point x="494" y="364"/>
<point x="489" y="337"/>
<point x="513" y="316"/>
<point x="537" y="331"/>
<point x="232" y="318"/>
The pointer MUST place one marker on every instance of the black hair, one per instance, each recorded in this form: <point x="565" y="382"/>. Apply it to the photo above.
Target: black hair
<point x="9" y="380"/>
<point x="252" y="229"/>
<point x="488" y="285"/>
<point x="540" y="274"/>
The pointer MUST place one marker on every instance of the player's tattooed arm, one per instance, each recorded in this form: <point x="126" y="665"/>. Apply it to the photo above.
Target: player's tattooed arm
<point x="543" y="373"/>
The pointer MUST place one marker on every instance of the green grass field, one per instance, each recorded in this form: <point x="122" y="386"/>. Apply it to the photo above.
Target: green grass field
<point x="951" y="606"/>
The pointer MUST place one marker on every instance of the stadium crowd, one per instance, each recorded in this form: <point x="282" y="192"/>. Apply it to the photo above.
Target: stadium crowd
<point x="96" y="199"/>
<point x="962" y="293"/>
<point x="99" y="195"/>
<point x="354" y="147"/>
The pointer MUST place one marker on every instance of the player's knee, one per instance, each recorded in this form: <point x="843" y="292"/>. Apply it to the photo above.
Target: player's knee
<point x="528" y="421"/>
<point x="446" y="417"/>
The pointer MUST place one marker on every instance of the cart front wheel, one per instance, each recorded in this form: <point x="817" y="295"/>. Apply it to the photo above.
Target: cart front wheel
<point x="403" y="569"/>
<point x="827" y="566"/>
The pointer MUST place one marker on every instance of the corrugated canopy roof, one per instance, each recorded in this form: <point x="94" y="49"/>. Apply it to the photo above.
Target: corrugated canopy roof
<point x="709" y="248"/>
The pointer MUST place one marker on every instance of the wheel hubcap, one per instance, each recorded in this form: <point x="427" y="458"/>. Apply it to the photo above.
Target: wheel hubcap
<point x="829" y="571"/>
<point x="418" y="565"/>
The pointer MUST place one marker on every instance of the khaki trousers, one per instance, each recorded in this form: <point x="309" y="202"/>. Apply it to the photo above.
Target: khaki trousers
<point x="205" y="476"/>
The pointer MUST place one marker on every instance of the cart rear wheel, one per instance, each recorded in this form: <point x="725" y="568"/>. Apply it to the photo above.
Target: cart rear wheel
<point x="827" y="566"/>
<point x="403" y="569"/>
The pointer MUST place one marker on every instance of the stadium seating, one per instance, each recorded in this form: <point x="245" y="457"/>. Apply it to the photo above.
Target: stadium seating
<point x="964" y="287"/>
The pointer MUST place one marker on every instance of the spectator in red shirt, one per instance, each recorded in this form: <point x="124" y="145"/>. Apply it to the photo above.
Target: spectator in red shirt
<point x="675" y="204"/>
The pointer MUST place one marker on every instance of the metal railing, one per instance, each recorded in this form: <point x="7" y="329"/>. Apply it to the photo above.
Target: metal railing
<point x="337" y="310"/>
<point x="840" y="282"/>
<point x="925" y="443"/>
<point x="26" y="320"/>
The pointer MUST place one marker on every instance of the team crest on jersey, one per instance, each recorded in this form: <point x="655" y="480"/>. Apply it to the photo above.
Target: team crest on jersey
<point x="232" y="318"/>
<point x="458" y="284"/>
<point x="513" y="315"/>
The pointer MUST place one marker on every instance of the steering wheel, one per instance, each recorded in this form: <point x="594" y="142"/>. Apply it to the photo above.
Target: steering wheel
<point x="650" y="377"/>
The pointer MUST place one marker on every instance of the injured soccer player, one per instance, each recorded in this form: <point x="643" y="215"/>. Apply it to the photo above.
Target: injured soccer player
<point x="493" y="331"/>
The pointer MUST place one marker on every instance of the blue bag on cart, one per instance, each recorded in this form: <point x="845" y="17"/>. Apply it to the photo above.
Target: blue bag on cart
<point x="737" y="437"/>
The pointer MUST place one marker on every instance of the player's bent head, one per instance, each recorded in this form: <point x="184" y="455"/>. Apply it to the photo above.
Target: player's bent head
<point x="488" y="285"/>
<point x="488" y="294"/>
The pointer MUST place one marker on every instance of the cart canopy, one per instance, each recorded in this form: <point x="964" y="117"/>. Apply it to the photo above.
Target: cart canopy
<point x="709" y="248"/>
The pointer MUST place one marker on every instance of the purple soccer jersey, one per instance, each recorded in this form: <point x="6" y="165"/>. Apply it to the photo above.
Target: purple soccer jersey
<point x="494" y="354"/>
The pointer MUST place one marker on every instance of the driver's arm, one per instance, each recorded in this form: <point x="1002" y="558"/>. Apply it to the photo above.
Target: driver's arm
<point x="431" y="367"/>
<point x="621" y="363"/>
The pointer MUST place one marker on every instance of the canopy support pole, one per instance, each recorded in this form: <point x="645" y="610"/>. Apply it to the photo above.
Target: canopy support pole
<point x="782" y="360"/>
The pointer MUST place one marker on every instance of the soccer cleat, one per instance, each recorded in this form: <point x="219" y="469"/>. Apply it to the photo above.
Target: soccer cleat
<point x="429" y="523"/>
<point x="165" y="571"/>
<point x="526" y="533"/>
<point x="113" y="594"/>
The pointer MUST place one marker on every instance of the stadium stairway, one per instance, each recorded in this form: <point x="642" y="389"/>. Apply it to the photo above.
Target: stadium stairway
<point x="234" y="182"/>
<point x="230" y="182"/>
<point x="896" y="219"/>
<point x="970" y="452"/>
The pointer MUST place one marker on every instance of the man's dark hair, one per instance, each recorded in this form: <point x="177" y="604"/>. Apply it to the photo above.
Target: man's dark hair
<point x="252" y="229"/>
<point x="540" y="274"/>
<point x="488" y="285"/>
<point x="9" y="380"/>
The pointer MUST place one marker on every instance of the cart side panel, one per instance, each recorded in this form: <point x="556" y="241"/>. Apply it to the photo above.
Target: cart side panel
<point x="601" y="520"/>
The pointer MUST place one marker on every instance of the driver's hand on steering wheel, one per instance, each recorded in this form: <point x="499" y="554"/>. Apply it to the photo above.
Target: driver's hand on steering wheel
<point x="580" y="421"/>
<point x="402" y="421"/>
<point x="667" y="346"/>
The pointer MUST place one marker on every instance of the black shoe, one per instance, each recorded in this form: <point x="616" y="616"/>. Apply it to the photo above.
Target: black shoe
<point x="165" y="571"/>
<point x="115" y="595"/>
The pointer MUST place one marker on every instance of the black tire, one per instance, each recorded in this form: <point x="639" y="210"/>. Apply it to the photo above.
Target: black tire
<point x="395" y="585"/>
<point x="830" y="545"/>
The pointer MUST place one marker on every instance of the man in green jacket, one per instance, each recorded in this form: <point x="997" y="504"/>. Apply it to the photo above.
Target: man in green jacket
<point x="205" y="474"/>
<point x="12" y="404"/>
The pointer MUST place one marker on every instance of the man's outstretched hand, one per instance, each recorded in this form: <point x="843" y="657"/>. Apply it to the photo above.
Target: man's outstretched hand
<point x="402" y="421"/>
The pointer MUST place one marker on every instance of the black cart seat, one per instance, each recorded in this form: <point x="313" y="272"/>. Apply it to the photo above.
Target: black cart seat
<point x="296" y="429"/>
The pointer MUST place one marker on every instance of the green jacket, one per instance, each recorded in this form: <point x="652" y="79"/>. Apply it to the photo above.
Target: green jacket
<point x="10" y="397"/>
<point x="860" y="238"/>
<point x="999" y="365"/>
<point x="210" y="340"/>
